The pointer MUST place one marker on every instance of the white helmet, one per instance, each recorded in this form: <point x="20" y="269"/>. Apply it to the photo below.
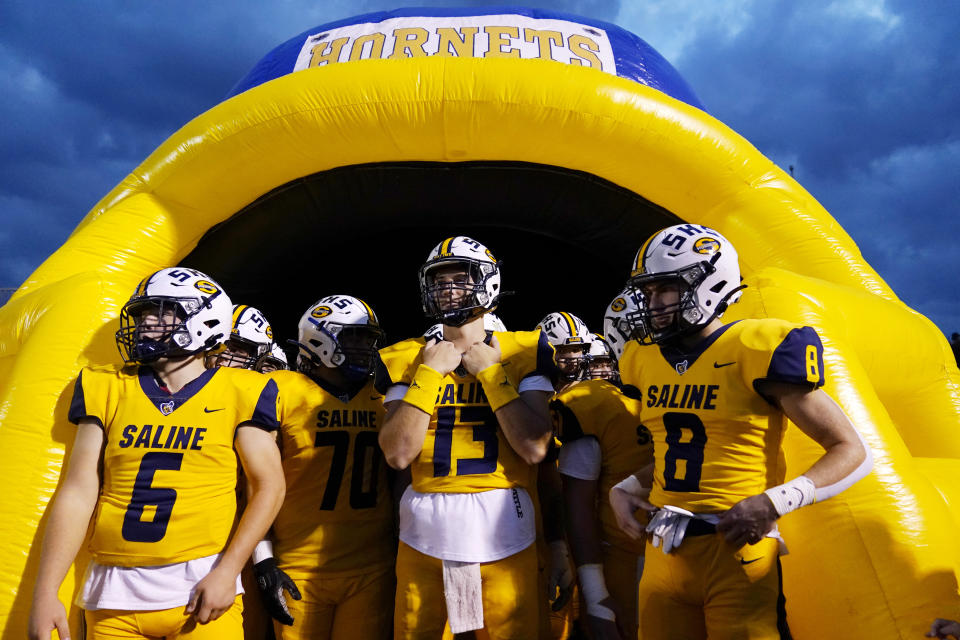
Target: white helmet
<point x="274" y="360"/>
<point x="173" y="312"/>
<point x="491" y="323"/>
<point x="601" y="360"/>
<point x="702" y="263"/>
<point x="250" y="339"/>
<point x="617" y="329"/>
<point x="340" y="332"/>
<point x="570" y="338"/>
<point x="456" y="302"/>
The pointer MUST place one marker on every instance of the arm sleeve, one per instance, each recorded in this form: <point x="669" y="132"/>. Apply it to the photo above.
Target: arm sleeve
<point x="265" y="414"/>
<point x="78" y="405"/>
<point x="395" y="392"/>
<point x="581" y="459"/>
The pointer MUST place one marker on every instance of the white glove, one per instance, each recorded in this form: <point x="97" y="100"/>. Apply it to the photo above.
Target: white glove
<point x="668" y="526"/>
<point x="560" y="579"/>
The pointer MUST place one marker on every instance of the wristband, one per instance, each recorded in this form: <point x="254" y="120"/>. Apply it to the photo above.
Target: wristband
<point x="631" y="485"/>
<point x="497" y="386"/>
<point x="792" y="495"/>
<point x="594" y="591"/>
<point x="423" y="389"/>
<point x="262" y="551"/>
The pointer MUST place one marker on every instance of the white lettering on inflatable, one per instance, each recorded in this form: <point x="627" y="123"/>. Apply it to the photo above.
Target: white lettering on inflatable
<point x="499" y="36"/>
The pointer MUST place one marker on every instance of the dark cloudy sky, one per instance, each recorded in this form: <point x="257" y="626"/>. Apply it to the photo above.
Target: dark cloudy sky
<point x="862" y="97"/>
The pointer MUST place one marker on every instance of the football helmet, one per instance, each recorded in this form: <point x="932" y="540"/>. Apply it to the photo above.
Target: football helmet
<point x="459" y="281"/>
<point x="570" y="338"/>
<point x="491" y="323"/>
<point x="173" y="312"/>
<point x="700" y="264"/>
<point x="250" y="339"/>
<point x="273" y="360"/>
<point x="617" y="330"/>
<point x="601" y="360"/>
<point x="340" y="332"/>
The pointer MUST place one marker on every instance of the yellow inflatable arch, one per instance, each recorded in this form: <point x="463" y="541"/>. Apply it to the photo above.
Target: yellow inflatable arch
<point x="340" y="177"/>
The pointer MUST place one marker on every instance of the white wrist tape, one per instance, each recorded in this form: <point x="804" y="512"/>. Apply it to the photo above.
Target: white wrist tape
<point x="594" y="590"/>
<point x="631" y="485"/>
<point x="262" y="551"/>
<point x="792" y="495"/>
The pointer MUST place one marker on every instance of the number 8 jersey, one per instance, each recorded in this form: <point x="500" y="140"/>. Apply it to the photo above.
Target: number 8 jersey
<point x="168" y="491"/>
<point x="716" y="439"/>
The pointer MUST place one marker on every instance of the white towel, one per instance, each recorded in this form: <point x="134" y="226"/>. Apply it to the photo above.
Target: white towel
<point x="462" y="589"/>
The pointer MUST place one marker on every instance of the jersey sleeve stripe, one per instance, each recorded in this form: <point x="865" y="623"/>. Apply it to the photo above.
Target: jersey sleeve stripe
<point x="798" y="359"/>
<point x="545" y="364"/>
<point x="78" y="405"/>
<point x="265" y="413"/>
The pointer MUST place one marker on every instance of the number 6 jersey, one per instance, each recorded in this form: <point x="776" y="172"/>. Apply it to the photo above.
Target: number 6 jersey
<point x="716" y="439"/>
<point x="169" y="467"/>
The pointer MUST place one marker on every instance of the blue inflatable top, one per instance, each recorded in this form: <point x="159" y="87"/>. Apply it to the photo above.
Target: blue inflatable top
<point x="479" y="32"/>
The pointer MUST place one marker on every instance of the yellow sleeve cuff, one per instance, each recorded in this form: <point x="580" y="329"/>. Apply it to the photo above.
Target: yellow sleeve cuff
<point x="424" y="388"/>
<point x="497" y="386"/>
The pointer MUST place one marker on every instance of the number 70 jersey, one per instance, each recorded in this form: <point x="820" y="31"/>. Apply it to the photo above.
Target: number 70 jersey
<point x="337" y="516"/>
<point x="716" y="440"/>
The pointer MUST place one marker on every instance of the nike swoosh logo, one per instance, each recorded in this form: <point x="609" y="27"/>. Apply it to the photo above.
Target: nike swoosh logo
<point x="717" y="365"/>
<point x="205" y="410"/>
<point x="742" y="561"/>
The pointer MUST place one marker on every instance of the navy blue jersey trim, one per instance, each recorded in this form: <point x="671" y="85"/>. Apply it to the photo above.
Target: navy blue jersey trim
<point x="789" y="360"/>
<point x="545" y="363"/>
<point x="381" y="377"/>
<point x="78" y="405"/>
<point x="265" y="413"/>
<point x="568" y="426"/>
<point x="675" y="356"/>
<point x="158" y="396"/>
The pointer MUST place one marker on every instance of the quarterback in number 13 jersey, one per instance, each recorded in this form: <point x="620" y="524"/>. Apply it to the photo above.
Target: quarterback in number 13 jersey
<point x="465" y="450"/>
<point x="716" y="439"/>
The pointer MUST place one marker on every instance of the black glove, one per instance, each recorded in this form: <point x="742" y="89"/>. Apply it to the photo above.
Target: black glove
<point x="272" y="581"/>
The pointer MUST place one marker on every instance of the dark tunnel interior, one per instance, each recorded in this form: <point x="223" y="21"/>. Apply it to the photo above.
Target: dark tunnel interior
<point x="565" y="240"/>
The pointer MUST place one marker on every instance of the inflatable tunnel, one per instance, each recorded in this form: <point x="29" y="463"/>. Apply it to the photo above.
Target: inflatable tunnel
<point x="559" y="142"/>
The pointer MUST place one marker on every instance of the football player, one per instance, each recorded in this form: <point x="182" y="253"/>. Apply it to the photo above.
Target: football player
<point x="468" y="415"/>
<point x="716" y="398"/>
<point x="570" y="339"/>
<point x="602" y="361"/>
<point x="603" y="441"/>
<point x="250" y="340"/>
<point x="154" y="462"/>
<point x="273" y="360"/>
<point x="334" y="537"/>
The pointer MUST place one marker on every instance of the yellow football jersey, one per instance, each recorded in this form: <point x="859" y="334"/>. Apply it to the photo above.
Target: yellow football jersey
<point x="465" y="450"/>
<point x="169" y="467"/>
<point x="716" y="440"/>
<point x="597" y="408"/>
<point x="337" y="516"/>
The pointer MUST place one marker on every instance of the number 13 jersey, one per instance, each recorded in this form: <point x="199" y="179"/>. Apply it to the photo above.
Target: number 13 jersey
<point x="716" y="439"/>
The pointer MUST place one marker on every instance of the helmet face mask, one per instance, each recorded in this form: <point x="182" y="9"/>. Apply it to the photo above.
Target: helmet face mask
<point x="571" y="341"/>
<point x="274" y="360"/>
<point x="683" y="278"/>
<point x="340" y="332"/>
<point x="571" y="362"/>
<point x="250" y="339"/>
<point x="459" y="282"/>
<point x="174" y="312"/>
<point x="601" y="361"/>
<point x="239" y="353"/>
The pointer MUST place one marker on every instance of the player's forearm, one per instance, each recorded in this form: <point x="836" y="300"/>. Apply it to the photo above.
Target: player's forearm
<point x="528" y="430"/>
<point x="550" y="494"/>
<point x="402" y="435"/>
<point x="263" y="503"/>
<point x="66" y="529"/>
<point x="580" y="518"/>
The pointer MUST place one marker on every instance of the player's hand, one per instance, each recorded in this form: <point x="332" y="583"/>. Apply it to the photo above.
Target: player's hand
<point x="603" y="629"/>
<point x="748" y="521"/>
<point x="442" y="356"/>
<point x="47" y="614"/>
<point x="272" y="581"/>
<point x="213" y="596"/>
<point x="560" y="578"/>
<point x="668" y="526"/>
<point x="942" y="628"/>
<point x="481" y="355"/>
<point x="625" y="506"/>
